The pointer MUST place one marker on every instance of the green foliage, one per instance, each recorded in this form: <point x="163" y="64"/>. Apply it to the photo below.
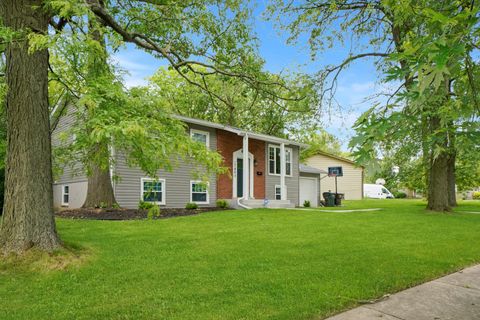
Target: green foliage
<point x="145" y="205"/>
<point x="320" y="141"/>
<point x="399" y="195"/>
<point x="278" y="105"/>
<point x="102" y="205"/>
<point x="426" y="49"/>
<point x="222" y="203"/>
<point x="476" y="195"/>
<point x="307" y="204"/>
<point x="154" y="212"/>
<point x="191" y="206"/>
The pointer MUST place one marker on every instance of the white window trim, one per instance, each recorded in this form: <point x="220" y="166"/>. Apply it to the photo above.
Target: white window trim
<point x="191" y="192"/>
<point x="192" y="131"/>
<point x="164" y="190"/>
<point x="275" y="192"/>
<point x="63" y="195"/>
<point x="268" y="161"/>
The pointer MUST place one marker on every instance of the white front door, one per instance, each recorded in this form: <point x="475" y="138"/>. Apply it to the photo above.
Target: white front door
<point x="309" y="191"/>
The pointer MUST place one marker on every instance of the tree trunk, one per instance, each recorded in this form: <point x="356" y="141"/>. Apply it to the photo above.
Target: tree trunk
<point x="452" y="157"/>
<point x="28" y="219"/>
<point x="452" y="194"/>
<point x="100" y="190"/>
<point x="438" y="179"/>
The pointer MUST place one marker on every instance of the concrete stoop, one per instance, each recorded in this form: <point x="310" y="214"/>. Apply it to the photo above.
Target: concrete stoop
<point x="257" y="203"/>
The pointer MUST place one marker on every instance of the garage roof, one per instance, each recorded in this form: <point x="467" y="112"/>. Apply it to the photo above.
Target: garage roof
<point x="307" y="169"/>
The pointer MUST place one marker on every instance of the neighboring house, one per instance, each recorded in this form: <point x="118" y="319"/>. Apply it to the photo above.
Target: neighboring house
<point x="273" y="173"/>
<point x="350" y="176"/>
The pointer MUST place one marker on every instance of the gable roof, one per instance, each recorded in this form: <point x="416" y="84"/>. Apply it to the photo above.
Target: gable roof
<point x="333" y="156"/>
<point x="240" y="132"/>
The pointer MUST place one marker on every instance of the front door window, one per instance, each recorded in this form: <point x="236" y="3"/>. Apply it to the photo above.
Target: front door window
<point x="239" y="178"/>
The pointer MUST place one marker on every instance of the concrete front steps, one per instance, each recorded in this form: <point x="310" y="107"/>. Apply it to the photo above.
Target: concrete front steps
<point x="257" y="203"/>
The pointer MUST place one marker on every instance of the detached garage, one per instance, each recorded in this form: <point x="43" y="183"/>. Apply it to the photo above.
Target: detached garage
<point x="349" y="175"/>
<point x="310" y="185"/>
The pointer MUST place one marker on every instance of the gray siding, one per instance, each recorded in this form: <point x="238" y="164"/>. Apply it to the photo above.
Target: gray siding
<point x="69" y="173"/>
<point x="78" y="194"/>
<point x="177" y="182"/>
<point x="292" y="182"/>
<point x="73" y="176"/>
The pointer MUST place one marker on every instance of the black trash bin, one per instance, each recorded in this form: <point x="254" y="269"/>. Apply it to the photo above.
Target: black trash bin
<point x="329" y="199"/>
<point x="338" y="198"/>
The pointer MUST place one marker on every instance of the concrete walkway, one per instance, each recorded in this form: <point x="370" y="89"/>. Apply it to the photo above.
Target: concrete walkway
<point x="454" y="297"/>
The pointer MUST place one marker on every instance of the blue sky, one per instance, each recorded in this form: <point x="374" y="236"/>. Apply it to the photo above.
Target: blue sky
<point x="354" y="85"/>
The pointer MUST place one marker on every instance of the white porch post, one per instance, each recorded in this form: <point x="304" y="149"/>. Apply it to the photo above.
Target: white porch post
<point x="283" y="169"/>
<point x="246" y="169"/>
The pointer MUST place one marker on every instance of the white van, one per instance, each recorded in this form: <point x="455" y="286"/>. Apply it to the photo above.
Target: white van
<point x="376" y="191"/>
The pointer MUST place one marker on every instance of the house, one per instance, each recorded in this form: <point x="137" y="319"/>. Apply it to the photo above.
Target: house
<point x="271" y="177"/>
<point x="349" y="175"/>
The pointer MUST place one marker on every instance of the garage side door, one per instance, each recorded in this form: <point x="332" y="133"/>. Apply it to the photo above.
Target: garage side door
<point x="309" y="191"/>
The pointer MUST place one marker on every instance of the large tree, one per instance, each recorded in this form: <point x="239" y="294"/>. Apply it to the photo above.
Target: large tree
<point x="282" y="105"/>
<point x="211" y="34"/>
<point x="28" y="212"/>
<point x="410" y="42"/>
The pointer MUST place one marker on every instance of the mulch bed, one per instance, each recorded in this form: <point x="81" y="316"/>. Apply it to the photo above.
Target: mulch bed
<point x="127" y="214"/>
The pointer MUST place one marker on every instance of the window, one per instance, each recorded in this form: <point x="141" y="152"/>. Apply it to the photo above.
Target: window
<point x="278" y="192"/>
<point x="199" y="192"/>
<point x="65" y="195"/>
<point x="288" y="161"/>
<point x="153" y="190"/>
<point x="274" y="160"/>
<point x="200" y="136"/>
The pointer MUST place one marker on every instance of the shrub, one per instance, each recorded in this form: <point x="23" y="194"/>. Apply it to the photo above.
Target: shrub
<point x="476" y="195"/>
<point x="102" y="205"/>
<point x="191" y="206"/>
<point x="115" y="206"/>
<point x="143" y="205"/>
<point x="400" y="195"/>
<point x="153" y="212"/>
<point x="222" y="203"/>
<point x="306" y="204"/>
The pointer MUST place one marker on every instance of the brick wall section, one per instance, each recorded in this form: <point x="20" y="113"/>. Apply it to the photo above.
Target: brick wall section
<point x="227" y="144"/>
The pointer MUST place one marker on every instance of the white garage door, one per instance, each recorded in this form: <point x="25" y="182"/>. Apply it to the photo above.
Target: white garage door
<point x="309" y="191"/>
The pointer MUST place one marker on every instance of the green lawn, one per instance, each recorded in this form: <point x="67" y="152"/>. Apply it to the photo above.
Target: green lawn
<point x="259" y="264"/>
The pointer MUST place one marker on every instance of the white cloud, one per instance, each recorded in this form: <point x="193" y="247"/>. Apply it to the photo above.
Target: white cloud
<point x="137" y="65"/>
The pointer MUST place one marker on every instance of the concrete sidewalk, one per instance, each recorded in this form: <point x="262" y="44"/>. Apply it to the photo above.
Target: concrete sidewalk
<point x="454" y="297"/>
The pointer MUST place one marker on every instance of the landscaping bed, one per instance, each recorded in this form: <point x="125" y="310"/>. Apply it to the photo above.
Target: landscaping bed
<point x="127" y="214"/>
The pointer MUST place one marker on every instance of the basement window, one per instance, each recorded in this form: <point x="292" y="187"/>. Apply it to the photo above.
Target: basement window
<point x="65" y="195"/>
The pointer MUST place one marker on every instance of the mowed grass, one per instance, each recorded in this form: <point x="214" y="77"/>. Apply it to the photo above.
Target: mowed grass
<point x="258" y="264"/>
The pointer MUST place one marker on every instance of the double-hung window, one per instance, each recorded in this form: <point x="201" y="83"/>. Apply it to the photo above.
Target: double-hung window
<point x="65" y="195"/>
<point x="200" y="136"/>
<point x="199" y="192"/>
<point x="274" y="166"/>
<point x="153" y="190"/>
